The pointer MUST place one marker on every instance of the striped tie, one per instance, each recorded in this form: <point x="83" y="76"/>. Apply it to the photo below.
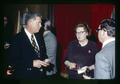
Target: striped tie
<point x="35" y="45"/>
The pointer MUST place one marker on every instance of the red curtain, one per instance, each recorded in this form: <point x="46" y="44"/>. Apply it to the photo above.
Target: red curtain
<point x="98" y="13"/>
<point x="68" y="15"/>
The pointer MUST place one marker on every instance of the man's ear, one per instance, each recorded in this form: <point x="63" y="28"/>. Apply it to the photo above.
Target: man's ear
<point x="106" y="33"/>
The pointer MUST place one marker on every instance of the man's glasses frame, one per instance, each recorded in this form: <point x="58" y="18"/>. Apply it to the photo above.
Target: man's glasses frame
<point x="97" y="30"/>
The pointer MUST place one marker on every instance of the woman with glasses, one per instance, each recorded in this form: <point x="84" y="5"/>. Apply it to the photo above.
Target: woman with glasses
<point x="80" y="55"/>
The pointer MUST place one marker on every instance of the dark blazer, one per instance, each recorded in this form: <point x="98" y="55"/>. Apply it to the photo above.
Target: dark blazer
<point x="22" y="54"/>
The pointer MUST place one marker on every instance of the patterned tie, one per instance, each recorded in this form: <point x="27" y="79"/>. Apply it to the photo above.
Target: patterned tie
<point x="35" y="45"/>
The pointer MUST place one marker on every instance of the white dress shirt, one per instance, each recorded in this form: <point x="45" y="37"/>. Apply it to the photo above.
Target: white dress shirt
<point x="29" y="36"/>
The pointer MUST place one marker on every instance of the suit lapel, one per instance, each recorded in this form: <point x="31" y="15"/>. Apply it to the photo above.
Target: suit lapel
<point x="27" y="41"/>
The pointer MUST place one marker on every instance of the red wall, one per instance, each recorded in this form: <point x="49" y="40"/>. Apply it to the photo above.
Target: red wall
<point x="68" y="15"/>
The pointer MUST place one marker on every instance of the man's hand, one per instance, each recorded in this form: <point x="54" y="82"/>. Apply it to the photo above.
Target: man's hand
<point x="47" y="60"/>
<point x="39" y="63"/>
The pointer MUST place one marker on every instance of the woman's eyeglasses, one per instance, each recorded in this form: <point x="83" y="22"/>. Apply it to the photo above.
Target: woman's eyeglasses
<point x="81" y="32"/>
<point x="97" y="30"/>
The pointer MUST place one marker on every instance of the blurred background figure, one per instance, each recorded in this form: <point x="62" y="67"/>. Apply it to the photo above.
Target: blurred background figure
<point x="51" y="45"/>
<point x="5" y="21"/>
<point x="8" y="32"/>
<point x="6" y="43"/>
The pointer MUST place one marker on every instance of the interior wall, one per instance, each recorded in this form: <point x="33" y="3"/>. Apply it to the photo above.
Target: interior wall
<point x="11" y="10"/>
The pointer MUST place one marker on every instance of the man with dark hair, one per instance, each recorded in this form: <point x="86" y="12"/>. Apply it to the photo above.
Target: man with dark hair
<point x="105" y="59"/>
<point x="28" y="58"/>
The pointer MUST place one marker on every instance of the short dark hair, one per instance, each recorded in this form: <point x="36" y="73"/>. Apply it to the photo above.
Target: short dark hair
<point x="85" y="26"/>
<point x="31" y="15"/>
<point x="109" y="26"/>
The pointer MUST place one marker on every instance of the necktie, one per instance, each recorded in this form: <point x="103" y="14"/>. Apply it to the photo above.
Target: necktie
<point x="34" y="45"/>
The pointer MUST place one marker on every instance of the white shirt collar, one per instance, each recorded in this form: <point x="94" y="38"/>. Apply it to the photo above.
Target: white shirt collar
<point x="108" y="41"/>
<point x="29" y="36"/>
<point x="28" y="33"/>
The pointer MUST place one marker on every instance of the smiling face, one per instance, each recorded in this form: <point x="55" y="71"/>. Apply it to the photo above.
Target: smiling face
<point x="81" y="34"/>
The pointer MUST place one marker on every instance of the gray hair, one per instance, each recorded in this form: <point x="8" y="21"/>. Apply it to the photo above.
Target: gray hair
<point x="31" y="15"/>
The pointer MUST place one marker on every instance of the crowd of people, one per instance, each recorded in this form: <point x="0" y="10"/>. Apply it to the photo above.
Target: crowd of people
<point x="31" y="54"/>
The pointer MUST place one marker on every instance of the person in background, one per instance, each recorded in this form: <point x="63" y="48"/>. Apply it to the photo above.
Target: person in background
<point x="81" y="54"/>
<point x="6" y="37"/>
<point x="28" y="59"/>
<point x="105" y="59"/>
<point x="51" y="46"/>
<point x="8" y="32"/>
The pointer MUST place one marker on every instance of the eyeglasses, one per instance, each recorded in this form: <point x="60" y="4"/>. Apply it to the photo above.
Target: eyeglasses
<point x="81" y="32"/>
<point x="97" y="30"/>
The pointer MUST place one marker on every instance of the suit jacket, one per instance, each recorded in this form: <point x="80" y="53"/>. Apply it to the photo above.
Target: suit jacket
<point x="22" y="54"/>
<point x="105" y="62"/>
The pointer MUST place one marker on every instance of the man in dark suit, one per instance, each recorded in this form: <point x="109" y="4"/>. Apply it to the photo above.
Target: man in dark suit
<point x="27" y="57"/>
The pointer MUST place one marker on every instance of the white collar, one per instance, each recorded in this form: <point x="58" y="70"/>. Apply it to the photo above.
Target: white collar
<point x="29" y="36"/>
<point x="28" y="33"/>
<point x="108" y="41"/>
